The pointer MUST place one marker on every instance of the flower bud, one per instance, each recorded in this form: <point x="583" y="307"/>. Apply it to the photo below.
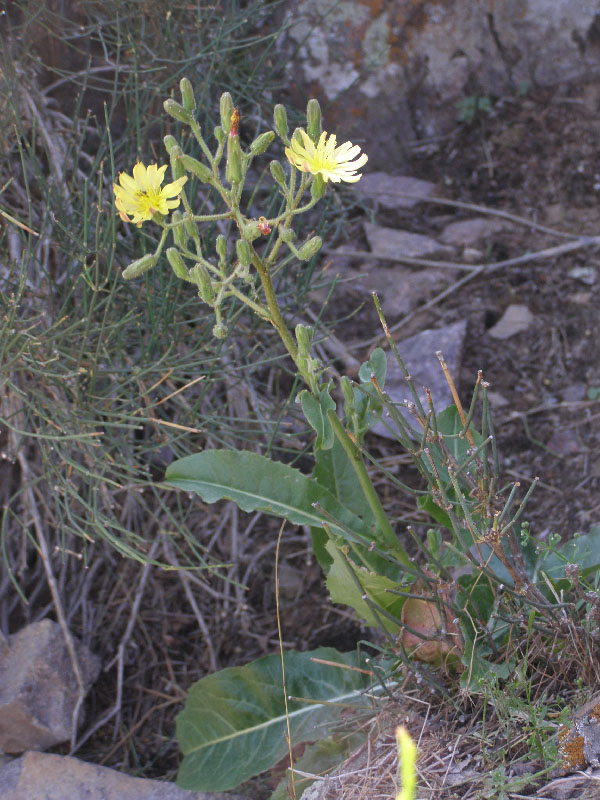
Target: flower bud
<point x="187" y="95"/>
<point x="310" y="248"/>
<point x="318" y="187"/>
<point x="177" y="111"/>
<point x="233" y="168"/>
<point x="221" y="246"/>
<point x="201" y="278"/>
<point x="170" y="142"/>
<point x="137" y="268"/>
<point x="280" y="120"/>
<point x="219" y="331"/>
<point x="176" y="261"/>
<point x="197" y="168"/>
<point x="313" y="120"/>
<point x="226" y="107"/>
<point x="261" y="143"/>
<point x="178" y="231"/>
<point x="177" y="169"/>
<point x="242" y="248"/>
<point x="252" y="230"/>
<point x="190" y="226"/>
<point x="277" y="173"/>
<point x="286" y="234"/>
<point x="304" y="337"/>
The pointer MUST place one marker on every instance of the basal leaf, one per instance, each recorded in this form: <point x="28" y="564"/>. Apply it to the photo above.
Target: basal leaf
<point x="233" y="725"/>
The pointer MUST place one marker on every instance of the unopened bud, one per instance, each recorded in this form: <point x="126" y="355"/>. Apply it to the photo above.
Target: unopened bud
<point x="137" y="268"/>
<point x="221" y="246"/>
<point x="220" y="330"/>
<point x="226" y="107"/>
<point x="197" y="168"/>
<point x="170" y="142"/>
<point x="242" y="249"/>
<point x="310" y="248"/>
<point x="178" y="230"/>
<point x="318" y="187"/>
<point x="187" y="95"/>
<point x="233" y="168"/>
<point x="304" y="337"/>
<point x="190" y="226"/>
<point x="261" y="143"/>
<point x="201" y="278"/>
<point x="234" y="122"/>
<point x="252" y="230"/>
<point x="277" y="173"/>
<point x="313" y="120"/>
<point x="286" y="234"/>
<point x="177" y="168"/>
<point x="280" y="120"/>
<point x="177" y="264"/>
<point x="177" y="111"/>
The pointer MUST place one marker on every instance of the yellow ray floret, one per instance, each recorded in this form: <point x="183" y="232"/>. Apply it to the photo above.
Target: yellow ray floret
<point x="137" y="199"/>
<point x="333" y="163"/>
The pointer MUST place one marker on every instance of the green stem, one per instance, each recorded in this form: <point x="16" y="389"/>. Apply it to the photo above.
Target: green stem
<point x="369" y="492"/>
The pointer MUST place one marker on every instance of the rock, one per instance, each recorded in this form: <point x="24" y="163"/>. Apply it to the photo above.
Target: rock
<point x="44" y="776"/>
<point x="515" y="319"/>
<point x="587" y="275"/>
<point x="419" y="356"/>
<point x="393" y="243"/>
<point x="565" y="442"/>
<point x="38" y="690"/>
<point x="470" y="231"/>
<point x="391" y="191"/>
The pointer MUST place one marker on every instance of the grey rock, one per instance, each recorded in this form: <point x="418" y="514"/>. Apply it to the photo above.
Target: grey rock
<point x="394" y="191"/>
<point x="44" y="776"/>
<point x="38" y="690"/>
<point x="515" y="319"/>
<point x="419" y="356"/>
<point x="470" y="231"/>
<point x="395" y="243"/>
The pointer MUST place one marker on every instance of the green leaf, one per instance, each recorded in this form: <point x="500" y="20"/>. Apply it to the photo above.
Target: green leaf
<point x="581" y="550"/>
<point x="316" y="414"/>
<point x="334" y="470"/>
<point x="376" y="366"/>
<point x="351" y="585"/>
<point x="255" y="483"/>
<point x="233" y="725"/>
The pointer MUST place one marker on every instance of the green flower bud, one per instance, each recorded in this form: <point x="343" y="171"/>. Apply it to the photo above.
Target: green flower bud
<point x="287" y="234"/>
<point x="318" y="187"/>
<point x="177" y="111"/>
<point x="260" y="144"/>
<point x="202" y="279"/>
<point x="197" y="168"/>
<point x="280" y="120"/>
<point x="242" y="249"/>
<point x="137" y="268"/>
<point x="179" y="234"/>
<point x="177" y="168"/>
<point x="187" y="95"/>
<point x="310" y="248"/>
<point x="176" y="261"/>
<point x="251" y="231"/>
<point x="220" y="134"/>
<point x="233" y="168"/>
<point x="226" y="107"/>
<point x="190" y="226"/>
<point x="313" y="120"/>
<point x="220" y="330"/>
<point x="221" y="246"/>
<point x="277" y="173"/>
<point x="170" y="142"/>
<point x="304" y="337"/>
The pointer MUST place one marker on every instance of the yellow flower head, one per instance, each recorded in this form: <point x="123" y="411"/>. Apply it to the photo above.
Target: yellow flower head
<point x="141" y="196"/>
<point x="333" y="163"/>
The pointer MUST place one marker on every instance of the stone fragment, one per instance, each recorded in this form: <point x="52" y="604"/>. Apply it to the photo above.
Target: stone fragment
<point x="394" y="191"/>
<point x="565" y="442"/>
<point x="587" y="275"/>
<point x="515" y="319"/>
<point x="38" y="689"/>
<point x="470" y="231"/>
<point x="395" y="243"/>
<point x="44" y="776"/>
<point x="419" y="355"/>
